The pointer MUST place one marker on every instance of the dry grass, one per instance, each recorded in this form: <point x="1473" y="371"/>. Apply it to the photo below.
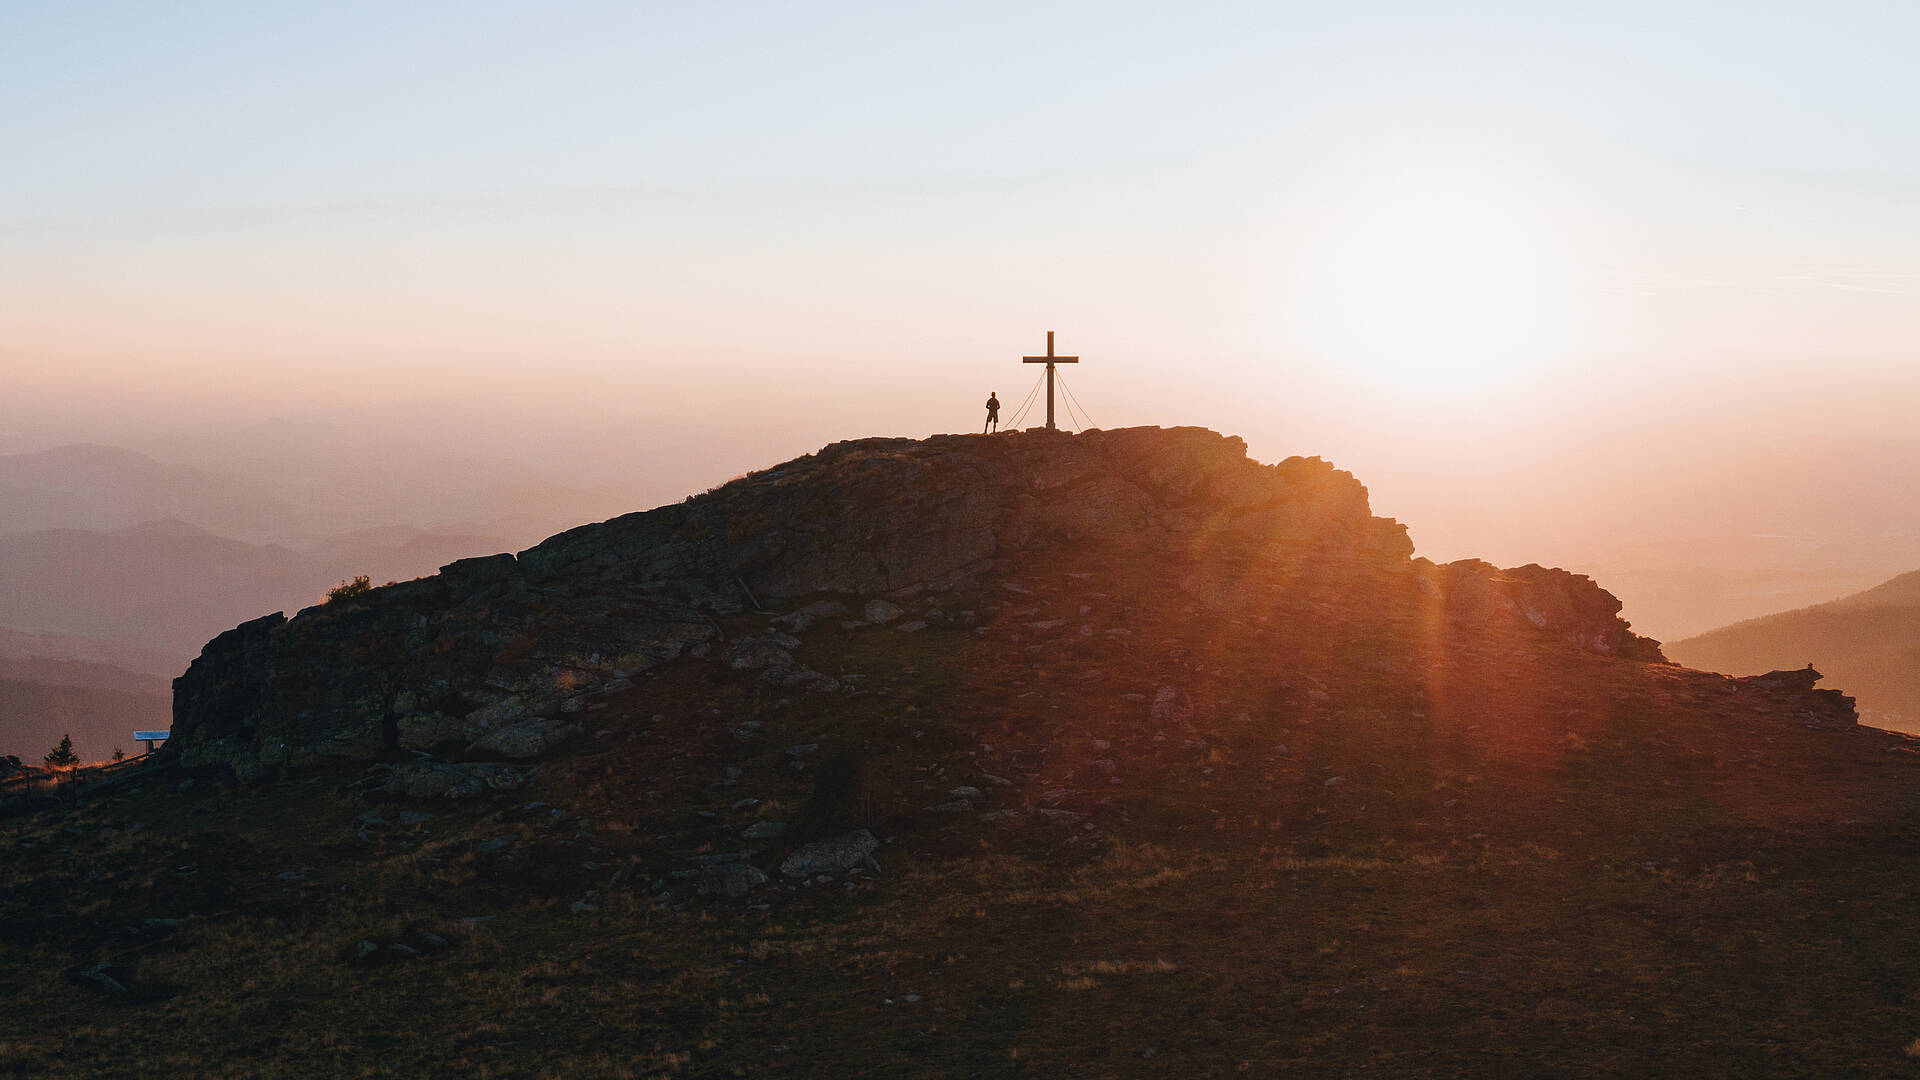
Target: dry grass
<point x="1480" y="895"/>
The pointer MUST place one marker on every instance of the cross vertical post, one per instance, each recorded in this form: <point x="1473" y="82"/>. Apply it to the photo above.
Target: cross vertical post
<point x="1050" y="360"/>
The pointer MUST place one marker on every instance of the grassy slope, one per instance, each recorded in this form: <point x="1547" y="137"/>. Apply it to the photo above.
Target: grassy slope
<point x="1357" y="842"/>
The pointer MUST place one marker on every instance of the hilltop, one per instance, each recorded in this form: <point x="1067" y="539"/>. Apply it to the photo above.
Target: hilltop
<point x="1869" y="641"/>
<point x="1033" y="754"/>
<point x="502" y="649"/>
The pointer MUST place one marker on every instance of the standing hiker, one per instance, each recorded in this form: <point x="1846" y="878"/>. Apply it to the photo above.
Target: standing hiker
<point x="993" y="413"/>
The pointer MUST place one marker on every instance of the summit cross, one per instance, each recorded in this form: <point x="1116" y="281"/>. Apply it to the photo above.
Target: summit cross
<point x="1050" y="360"/>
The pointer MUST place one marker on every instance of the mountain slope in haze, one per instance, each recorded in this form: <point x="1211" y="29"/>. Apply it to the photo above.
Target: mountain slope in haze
<point x="1868" y="642"/>
<point x="350" y="476"/>
<point x="157" y="585"/>
<point x="100" y="705"/>
<point x="167" y="586"/>
<point x="1114" y="754"/>
<point x="1684" y="587"/>
<point x="60" y="648"/>
<point x="106" y="488"/>
<point x="35" y="715"/>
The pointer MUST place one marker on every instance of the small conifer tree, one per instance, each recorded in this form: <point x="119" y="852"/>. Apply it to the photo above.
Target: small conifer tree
<point x="119" y="754"/>
<point x="62" y="756"/>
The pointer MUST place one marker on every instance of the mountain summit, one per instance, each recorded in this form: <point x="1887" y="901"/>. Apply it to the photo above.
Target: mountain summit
<point x="501" y="656"/>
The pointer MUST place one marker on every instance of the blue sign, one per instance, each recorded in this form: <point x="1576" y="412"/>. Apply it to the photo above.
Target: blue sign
<point x="152" y="736"/>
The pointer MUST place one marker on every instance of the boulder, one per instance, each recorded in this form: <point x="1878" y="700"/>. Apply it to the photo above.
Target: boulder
<point x="443" y="780"/>
<point x="1801" y="679"/>
<point x="880" y="612"/>
<point x="729" y="881"/>
<point x="831" y="856"/>
<point x="527" y="739"/>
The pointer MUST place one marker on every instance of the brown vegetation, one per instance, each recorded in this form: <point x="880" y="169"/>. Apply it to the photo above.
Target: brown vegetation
<point x="1246" y="837"/>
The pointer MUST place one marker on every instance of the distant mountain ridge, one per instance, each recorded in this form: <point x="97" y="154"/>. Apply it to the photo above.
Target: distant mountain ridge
<point x="1902" y="591"/>
<point x="103" y="488"/>
<point x="169" y="585"/>
<point x="1868" y="642"/>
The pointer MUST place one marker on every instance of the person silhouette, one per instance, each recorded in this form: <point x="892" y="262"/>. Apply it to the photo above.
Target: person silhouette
<point x="993" y="413"/>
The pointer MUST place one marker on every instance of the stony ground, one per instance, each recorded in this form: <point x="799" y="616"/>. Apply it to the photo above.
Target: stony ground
<point x="1128" y="821"/>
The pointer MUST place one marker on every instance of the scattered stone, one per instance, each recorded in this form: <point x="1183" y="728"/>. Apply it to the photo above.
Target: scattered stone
<point x="107" y="976"/>
<point x="758" y="654"/>
<point x="1169" y="708"/>
<point x="834" y="855"/>
<point x="965" y="792"/>
<point x="763" y="830"/>
<point x="802" y="749"/>
<point x="580" y="907"/>
<point x="412" y="817"/>
<point x="371" y="953"/>
<point x="880" y="612"/>
<point x="957" y="806"/>
<point x="730" y="881"/>
<point x="441" y="780"/>
<point x="527" y="739"/>
<point x="825" y="609"/>
<point x="913" y="627"/>
<point x="798" y="622"/>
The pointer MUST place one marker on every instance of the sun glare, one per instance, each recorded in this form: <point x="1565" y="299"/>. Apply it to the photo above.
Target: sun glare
<point x="1433" y="292"/>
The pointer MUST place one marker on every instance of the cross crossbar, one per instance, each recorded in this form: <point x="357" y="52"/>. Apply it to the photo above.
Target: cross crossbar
<point x="1050" y="360"/>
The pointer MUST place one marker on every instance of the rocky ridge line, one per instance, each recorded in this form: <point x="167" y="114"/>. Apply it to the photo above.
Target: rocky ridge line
<point x="495" y="657"/>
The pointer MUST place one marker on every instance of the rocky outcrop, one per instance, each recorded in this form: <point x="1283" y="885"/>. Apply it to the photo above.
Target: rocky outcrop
<point x="1795" y="690"/>
<point x="1568" y="606"/>
<point x="492" y="656"/>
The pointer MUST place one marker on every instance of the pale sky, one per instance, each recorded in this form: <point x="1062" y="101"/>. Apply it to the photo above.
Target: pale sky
<point x="1415" y="238"/>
